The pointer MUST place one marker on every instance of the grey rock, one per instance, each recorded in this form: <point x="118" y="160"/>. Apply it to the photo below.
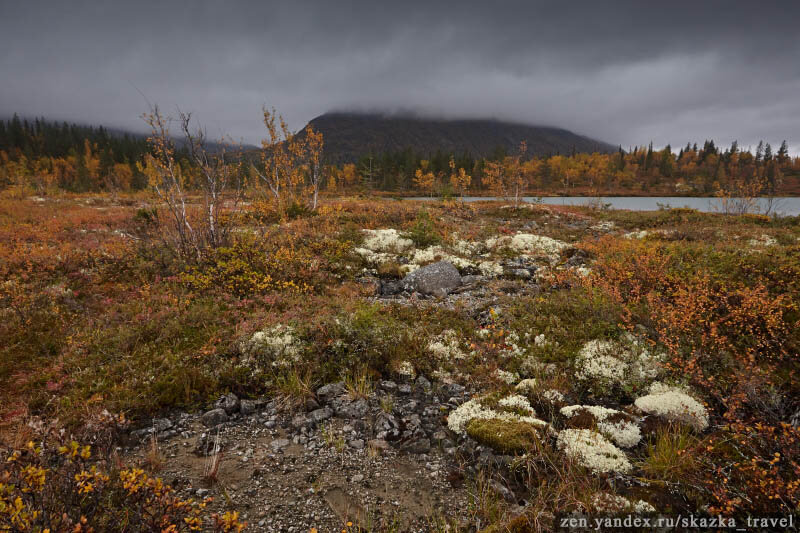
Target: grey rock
<point x="410" y="407"/>
<point x="388" y="386"/>
<point x="437" y="278"/>
<point x="328" y="392"/>
<point x="577" y="257"/>
<point x="319" y="415"/>
<point x="248" y="407"/>
<point x="279" y="444"/>
<point x="140" y="434"/>
<point x="300" y="421"/>
<point x="159" y="426"/>
<point x="424" y="383"/>
<point x="229" y="402"/>
<point x="356" y="409"/>
<point x="162" y="424"/>
<point x="387" y="426"/>
<point x="521" y="273"/>
<point x="312" y="404"/>
<point x="439" y="437"/>
<point x="390" y="288"/>
<point x="453" y="389"/>
<point x="214" y="417"/>
<point x="421" y="445"/>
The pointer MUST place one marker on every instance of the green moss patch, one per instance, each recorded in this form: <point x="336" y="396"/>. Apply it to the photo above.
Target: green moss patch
<point x="504" y="436"/>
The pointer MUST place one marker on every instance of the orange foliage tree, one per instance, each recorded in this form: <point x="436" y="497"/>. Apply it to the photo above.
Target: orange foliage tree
<point x="290" y="163"/>
<point x="424" y="179"/>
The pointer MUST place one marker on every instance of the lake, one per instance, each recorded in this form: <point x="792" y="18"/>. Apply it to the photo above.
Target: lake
<point x="786" y="206"/>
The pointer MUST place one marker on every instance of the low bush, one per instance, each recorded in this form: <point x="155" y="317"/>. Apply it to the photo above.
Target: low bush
<point x="43" y="489"/>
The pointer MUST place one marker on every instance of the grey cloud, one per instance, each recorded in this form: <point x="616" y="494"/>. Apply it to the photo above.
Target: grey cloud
<point x="626" y="72"/>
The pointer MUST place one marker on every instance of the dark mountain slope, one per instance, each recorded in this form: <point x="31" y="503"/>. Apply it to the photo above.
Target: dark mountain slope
<point x="351" y="135"/>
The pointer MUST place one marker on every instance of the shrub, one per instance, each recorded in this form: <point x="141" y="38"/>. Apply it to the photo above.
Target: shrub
<point x="670" y="455"/>
<point x="49" y="490"/>
<point x="247" y="268"/>
<point x="423" y="233"/>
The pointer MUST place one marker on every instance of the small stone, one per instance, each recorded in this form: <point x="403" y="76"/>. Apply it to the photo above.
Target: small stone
<point x="356" y="409"/>
<point x="439" y="436"/>
<point x="162" y="424"/>
<point x="299" y="421"/>
<point x="229" y="402"/>
<point x="248" y="407"/>
<point x="424" y="383"/>
<point x="388" y="386"/>
<point x="320" y="415"/>
<point x="330" y="391"/>
<point x="279" y="444"/>
<point x="418" y="446"/>
<point x="214" y="417"/>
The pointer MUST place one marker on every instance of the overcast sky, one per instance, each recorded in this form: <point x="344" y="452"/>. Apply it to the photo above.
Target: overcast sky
<point x="623" y="72"/>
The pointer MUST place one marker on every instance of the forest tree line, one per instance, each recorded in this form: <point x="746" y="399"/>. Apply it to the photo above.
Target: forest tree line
<point x="45" y="155"/>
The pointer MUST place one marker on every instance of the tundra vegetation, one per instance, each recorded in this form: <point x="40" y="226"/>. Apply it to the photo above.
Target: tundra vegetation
<point x="622" y="361"/>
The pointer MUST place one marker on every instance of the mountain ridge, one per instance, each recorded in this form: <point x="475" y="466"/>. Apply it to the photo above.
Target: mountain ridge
<point x="349" y="135"/>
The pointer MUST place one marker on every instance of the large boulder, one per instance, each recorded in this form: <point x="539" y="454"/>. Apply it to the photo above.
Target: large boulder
<point x="437" y="278"/>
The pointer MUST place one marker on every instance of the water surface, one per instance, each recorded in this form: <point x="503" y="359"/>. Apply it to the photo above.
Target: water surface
<point x="786" y="206"/>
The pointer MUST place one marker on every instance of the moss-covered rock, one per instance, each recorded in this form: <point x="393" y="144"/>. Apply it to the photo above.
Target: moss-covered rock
<point x="504" y="436"/>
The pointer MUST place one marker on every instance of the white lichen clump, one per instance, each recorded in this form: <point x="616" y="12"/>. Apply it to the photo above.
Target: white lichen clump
<point x="597" y="362"/>
<point x="507" y="377"/>
<point x="605" y="364"/>
<point x="490" y="268"/>
<point x="593" y="451"/>
<point x="467" y="248"/>
<point x="386" y="240"/>
<point x="458" y="419"/>
<point x="637" y="234"/>
<point x="447" y="347"/>
<point x="436" y="253"/>
<point x="515" y="401"/>
<point x="606" y="225"/>
<point x="278" y="344"/>
<point x="764" y="240"/>
<point x="623" y="432"/>
<point x="605" y="502"/>
<point x="553" y="396"/>
<point x="375" y="258"/>
<point x="675" y="405"/>
<point x="512" y="346"/>
<point x="527" y="385"/>
<point x="541" y="341"/>
<point x="530" y="244"/>
<point x="405" y="368"/>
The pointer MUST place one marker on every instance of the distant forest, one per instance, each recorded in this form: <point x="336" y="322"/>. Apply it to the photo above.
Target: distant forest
<point x="45" y="155"/>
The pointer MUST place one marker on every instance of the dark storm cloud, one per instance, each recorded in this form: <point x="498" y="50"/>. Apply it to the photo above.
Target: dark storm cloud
<point x="625" y="72"/>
